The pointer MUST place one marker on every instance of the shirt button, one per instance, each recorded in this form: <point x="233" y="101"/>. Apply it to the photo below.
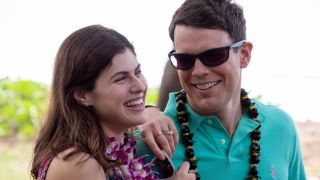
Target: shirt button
<point x="209" y="121"/>
<point x="222" y="141"/>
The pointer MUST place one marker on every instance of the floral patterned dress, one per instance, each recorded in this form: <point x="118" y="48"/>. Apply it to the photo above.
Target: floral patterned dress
<point x="133" y="168"/>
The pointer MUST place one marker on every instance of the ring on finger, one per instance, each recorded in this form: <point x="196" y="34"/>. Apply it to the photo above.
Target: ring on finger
<point x="159" y="133"/>
<point x="193" y="171"/>
<point x="168" y="132"/>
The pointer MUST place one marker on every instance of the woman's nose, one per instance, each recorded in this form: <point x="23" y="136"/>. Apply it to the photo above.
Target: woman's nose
<point x="138" y="85"/>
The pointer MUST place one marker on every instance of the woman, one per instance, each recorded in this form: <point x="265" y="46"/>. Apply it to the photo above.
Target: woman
<point x="98" y="92"/>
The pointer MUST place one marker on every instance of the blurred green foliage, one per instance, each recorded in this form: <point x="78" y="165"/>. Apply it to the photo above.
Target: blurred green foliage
<point x="22" y="105"/>
<point x="152" y="96"/>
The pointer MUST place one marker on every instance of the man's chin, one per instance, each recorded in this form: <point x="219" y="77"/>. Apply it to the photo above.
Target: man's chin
<point x="203" y="106"/>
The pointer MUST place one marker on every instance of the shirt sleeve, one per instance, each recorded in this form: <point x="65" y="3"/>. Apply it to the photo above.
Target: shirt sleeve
<point x="296" y="167"/>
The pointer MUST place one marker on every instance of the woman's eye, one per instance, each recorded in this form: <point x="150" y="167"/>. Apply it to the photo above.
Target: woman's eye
<point x="120" y="79"/>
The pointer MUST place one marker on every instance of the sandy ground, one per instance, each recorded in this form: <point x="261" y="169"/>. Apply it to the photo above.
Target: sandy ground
<point x="309" y="134"/>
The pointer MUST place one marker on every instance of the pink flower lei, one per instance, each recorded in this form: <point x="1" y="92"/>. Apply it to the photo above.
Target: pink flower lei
<point x="133" y="167"/>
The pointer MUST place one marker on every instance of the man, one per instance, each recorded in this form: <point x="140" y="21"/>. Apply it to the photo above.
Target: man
<point x="223" y="134"/>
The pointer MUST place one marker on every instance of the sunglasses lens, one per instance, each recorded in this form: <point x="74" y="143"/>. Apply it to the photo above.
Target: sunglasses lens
<point x="214" y="57"/>
<point x="163" y="168"/>
<point x="182" y="61"/>
<point x="211" y="58"/>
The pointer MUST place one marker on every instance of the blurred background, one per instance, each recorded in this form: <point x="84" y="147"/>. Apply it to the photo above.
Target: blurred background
<point x="284" y="68"/>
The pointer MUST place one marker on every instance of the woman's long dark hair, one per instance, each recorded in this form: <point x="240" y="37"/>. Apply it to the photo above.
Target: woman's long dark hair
<point x="79" y="61"/>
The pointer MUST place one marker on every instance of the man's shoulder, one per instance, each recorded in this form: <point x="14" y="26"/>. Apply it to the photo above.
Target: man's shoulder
<point x="269" y="110"/>
<point x="171" y="106"/>
<point x="274" y="116"/>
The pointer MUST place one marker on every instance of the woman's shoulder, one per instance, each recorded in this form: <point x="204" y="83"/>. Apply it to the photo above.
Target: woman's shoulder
<point x="77" y="166"/>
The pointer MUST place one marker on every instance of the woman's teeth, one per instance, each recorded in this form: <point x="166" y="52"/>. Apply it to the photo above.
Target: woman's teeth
<point x="134" y="103"/>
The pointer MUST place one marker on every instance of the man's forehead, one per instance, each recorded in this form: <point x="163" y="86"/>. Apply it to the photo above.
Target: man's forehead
<point x="194" y="39"/>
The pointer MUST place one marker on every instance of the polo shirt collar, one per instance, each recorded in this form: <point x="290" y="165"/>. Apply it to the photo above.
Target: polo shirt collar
<point x="195" y="119"/>
<point x="245" y="126"/>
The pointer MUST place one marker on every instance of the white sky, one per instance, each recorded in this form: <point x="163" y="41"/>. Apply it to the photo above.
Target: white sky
<point x="284" y="67"/>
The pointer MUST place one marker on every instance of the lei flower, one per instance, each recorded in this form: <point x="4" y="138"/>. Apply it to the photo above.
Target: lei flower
<point x="132" y="168"/>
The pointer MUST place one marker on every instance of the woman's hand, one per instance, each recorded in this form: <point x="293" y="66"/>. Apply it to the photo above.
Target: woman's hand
<point x="183" y="172"/>
<point x="159" y="132"/>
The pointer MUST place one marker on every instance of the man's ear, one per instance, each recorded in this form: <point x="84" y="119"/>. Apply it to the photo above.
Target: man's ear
<point x="80" y="96"/>
<point x="245" y="52"/>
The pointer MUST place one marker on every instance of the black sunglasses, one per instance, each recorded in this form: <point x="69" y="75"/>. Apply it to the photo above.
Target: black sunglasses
<point x="164" y="169"/>
<point x="211" y="57"/>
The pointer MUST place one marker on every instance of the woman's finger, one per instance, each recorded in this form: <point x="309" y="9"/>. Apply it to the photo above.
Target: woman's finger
<point x="184" y="168"/>
<point x="183" y="172"/>
<point x="149" y="140"/>
<point x="169" y="136"/>
<point x="153" y="133"/>
<point x="163" y="143"/>
<point x="175" y="135"/>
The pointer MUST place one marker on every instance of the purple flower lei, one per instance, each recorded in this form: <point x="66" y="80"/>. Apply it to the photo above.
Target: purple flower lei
<point x="132" y="167"/>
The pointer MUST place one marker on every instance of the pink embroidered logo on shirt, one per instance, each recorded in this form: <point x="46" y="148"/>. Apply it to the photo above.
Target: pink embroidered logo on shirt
<point x="272" y="172"/>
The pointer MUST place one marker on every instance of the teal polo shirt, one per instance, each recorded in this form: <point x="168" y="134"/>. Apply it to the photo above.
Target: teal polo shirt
<point x="223" y="158"/>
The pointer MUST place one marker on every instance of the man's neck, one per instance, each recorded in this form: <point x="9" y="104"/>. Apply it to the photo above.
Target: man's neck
<point x="230" y="116"/>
